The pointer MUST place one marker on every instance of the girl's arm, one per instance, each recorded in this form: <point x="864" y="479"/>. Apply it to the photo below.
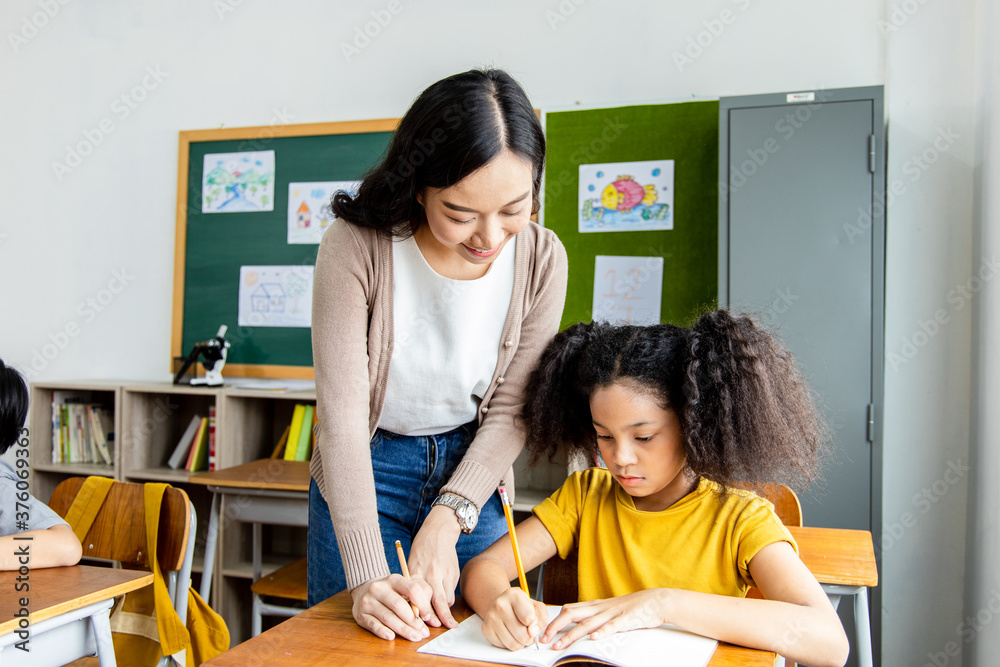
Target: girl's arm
<point x="796" y="620"/>
<point x="56" y="546"/>
<point x="511" y="619"/>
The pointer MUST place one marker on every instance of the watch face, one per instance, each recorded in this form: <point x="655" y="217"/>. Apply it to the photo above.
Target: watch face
<point x="470" y="517"/>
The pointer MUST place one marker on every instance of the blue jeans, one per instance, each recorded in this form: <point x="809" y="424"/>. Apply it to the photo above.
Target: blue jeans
<point x="409" y="474"/>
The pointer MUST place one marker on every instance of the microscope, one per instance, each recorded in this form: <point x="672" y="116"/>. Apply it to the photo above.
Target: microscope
<point x="213" y="353"/>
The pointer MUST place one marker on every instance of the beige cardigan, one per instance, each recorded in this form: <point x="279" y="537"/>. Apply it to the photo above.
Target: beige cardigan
<point x="352" y="338"/>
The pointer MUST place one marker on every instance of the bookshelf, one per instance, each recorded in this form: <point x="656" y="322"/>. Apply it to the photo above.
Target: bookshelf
<point x="150" y="418"/>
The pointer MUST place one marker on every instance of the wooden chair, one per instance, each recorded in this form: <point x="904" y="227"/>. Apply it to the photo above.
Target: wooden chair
<point x="786" y="503"/>
<point x="119" y="534"/>
<point x="289" y="583"/>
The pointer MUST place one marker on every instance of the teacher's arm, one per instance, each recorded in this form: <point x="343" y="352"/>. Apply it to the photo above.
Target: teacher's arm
<point x="344" y="285"/>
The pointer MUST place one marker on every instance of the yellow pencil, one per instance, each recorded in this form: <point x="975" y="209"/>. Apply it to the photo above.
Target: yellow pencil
<point x="406" y="572"/>
<point x="513" y="540"/>
<point x="505" y="501"/>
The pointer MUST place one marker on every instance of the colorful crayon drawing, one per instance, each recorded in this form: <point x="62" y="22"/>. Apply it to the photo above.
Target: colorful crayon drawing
<point x="238" y="182"/>
<point x="627" y="196"/>
<point x="309" y="212"/>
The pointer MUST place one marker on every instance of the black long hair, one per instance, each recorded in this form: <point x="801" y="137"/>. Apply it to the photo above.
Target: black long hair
<point x="745" y="411"/>
<point x="452" y="129"/>
<point x="13" y="405"/>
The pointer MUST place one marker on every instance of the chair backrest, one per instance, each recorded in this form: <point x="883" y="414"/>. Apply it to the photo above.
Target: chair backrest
<point x="119" y="531"/>
<point x="786" y="503"/>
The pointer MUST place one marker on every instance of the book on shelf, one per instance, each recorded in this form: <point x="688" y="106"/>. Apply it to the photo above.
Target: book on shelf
<point x="82" y="431"/>
<point x="294" y="431"/>
<point x="634" y="648"/>
<point x="198" y="456"/>
<point x="211" y="437"/>
<point x="99" y="432"/>
<point x="279" y="449"/>
<point x="183" y="448"/>
<point x="302" y="450"/>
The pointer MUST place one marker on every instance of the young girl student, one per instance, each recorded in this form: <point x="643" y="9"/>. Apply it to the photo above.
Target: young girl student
<point x="435" y="295"/>
<point x="31" y="534"/>
<point x="677" y="416"/>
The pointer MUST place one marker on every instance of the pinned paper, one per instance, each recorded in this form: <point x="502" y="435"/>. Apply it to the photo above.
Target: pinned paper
<point x="276" y="296"/>
<point x="238" y="182"/>
<point x="628" y="290"/>
<point x="309" y="212"/>
<point x="626" y="196"/>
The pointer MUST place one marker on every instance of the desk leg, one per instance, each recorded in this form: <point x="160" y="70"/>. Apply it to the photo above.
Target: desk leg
<point x="101" y="624"/>
<point x="863" y="628"/>
<point x="211" y="540"/>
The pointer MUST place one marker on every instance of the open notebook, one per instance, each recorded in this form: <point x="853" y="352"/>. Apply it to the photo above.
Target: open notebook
<point x="625" y="649"/>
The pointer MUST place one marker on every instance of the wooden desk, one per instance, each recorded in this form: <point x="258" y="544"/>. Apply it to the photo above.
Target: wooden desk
<point x="838" y="556"/>
<point x="843" y="561"/>
<point x="272" y="491"/>
<point x="68" y="607"/>
<point x="327" y="633"/>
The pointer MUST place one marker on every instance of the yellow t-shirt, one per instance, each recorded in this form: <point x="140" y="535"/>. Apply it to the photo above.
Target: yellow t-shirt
<point x="697" y="544"/>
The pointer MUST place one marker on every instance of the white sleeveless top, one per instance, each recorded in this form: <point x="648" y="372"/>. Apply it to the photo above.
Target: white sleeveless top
<point x="446" y="341"/>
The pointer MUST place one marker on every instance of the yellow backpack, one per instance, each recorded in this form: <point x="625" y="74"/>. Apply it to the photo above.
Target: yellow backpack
<point x="145" y="626"/>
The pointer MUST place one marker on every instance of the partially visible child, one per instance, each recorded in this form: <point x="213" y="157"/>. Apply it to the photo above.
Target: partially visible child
<point x="53" y="543"/>
<point x="677" y="415"/>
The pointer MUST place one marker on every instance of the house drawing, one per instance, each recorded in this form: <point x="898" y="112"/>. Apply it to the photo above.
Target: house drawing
<point x="268" y="298"/>
<point x="304" y="216"/>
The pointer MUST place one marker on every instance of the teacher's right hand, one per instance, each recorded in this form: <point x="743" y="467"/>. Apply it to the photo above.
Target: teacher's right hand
<point x="382" y="606"/>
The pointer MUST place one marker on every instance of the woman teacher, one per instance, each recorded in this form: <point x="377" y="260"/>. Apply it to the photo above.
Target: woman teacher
<point x="434" y="297"/>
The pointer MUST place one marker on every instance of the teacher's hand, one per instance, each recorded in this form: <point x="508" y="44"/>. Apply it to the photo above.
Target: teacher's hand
<point x="382" y="606"/>
<point x="433" y="559"/>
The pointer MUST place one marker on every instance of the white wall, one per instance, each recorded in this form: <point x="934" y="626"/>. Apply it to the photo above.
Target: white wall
<point x="61" y="240"/>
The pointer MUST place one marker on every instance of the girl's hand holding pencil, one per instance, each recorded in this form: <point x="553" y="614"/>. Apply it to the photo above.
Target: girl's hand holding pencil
<point x="514" y="621"/>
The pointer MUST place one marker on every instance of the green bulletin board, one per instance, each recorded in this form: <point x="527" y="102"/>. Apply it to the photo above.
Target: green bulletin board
<point x="211" y="247"/>
<point x="687" y="133"/>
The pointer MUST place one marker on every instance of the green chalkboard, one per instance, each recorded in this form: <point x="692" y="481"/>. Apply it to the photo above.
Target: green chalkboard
<point x="687" y="133"/>
<point x="211" y="247"/>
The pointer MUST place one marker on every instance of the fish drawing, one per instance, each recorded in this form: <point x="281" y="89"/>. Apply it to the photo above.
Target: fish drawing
<point x="625" y="194"/>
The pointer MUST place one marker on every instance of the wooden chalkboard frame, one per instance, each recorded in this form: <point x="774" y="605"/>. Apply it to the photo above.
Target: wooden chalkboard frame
<point x="253" y="135"/>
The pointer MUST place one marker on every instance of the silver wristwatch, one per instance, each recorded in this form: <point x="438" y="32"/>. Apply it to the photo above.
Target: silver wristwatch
<point x="467" y="513"/>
